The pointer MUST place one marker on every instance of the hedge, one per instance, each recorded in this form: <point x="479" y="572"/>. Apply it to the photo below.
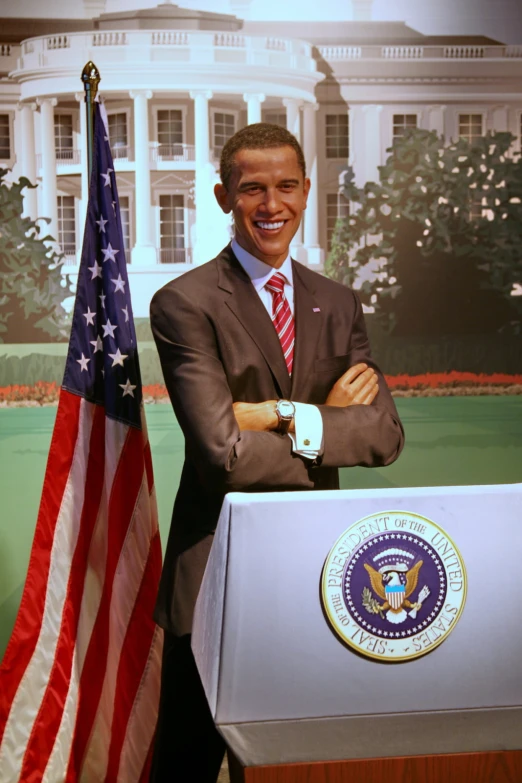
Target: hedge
<point x="41" y="367"/>
<point x="395" y="356"/>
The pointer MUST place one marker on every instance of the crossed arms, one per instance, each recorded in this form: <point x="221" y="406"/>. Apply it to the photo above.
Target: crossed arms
<point x="232" y="456"/>
<point x="358" y="386"/>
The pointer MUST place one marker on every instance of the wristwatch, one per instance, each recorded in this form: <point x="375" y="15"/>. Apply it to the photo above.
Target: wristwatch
<point x="285" y="411"/>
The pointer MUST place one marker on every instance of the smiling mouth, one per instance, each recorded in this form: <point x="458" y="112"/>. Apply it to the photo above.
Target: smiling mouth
<point x="270" y="225"/>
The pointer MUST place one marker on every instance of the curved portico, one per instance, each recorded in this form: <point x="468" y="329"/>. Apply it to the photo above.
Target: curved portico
<point x="215" y="82"/>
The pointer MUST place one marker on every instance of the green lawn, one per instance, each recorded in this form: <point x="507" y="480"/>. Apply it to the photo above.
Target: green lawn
<point x="460" y="440"/>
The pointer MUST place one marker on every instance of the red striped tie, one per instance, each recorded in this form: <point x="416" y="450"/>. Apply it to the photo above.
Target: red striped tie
<point x="282" y="318"/>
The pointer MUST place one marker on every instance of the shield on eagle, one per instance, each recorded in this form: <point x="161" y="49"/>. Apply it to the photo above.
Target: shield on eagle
<point x="395" y="595"/>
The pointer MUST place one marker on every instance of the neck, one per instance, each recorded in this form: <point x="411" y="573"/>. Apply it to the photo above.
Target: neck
<point x="276" y="262"/>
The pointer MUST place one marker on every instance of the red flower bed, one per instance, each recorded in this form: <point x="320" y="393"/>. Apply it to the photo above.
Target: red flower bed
<point x="42" y="393"/>
<point x="155" y="392"/>
<point x="434" y="380"/>
<point x="442" y="383"/>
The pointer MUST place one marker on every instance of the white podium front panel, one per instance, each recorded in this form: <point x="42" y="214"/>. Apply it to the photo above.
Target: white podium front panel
<point x="283" y="687"/>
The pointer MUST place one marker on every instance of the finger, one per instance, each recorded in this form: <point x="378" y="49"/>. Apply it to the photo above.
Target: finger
<point x="366" y="388"/>
<point x="352" y="372"/>
<point x="370" y="396"/>
<point x="361" y="380"/>
<point x="369" y="384"/>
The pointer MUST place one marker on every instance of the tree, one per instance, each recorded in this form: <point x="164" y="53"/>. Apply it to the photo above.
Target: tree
<point x="32" y="288"/>
<point x="436" y="244"/>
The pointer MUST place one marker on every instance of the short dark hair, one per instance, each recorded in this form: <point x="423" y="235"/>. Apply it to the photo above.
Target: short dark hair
<point x="259" y="136"/>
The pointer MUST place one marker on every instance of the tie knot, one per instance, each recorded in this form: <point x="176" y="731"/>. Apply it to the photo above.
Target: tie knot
<point x="276" y="283"/>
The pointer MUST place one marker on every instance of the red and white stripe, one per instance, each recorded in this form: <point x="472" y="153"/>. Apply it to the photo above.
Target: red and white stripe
<point x="282" y="318"/>
<point x="79" y="683"/>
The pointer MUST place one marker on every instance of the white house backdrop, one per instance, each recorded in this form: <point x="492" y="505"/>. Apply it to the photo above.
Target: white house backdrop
<point x="178" y="82"/>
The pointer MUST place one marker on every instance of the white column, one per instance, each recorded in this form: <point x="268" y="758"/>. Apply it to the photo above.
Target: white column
<point x="311" y="217"/>
<point x="201" y="126"/>
<point x="351" y="137"/>
<point x="144" y="252"/>
<point x="372" y="142"/>
<point x="253" y="102"/>
<point x="293" y="124"/>
<point x="80" y="97"/>
<point x="292" y="116"/>
<point x="436" y="119"/>
<point x="49" y="196"/>
<point x="498" y="117"/>
<point x="210" y="228"/>
<point x="28" y="157"/>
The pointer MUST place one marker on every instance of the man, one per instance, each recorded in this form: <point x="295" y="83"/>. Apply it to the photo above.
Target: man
<point x="269" y="371"/>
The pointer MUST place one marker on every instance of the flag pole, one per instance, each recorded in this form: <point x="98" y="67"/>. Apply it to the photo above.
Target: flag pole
<point x="90" y="78"/>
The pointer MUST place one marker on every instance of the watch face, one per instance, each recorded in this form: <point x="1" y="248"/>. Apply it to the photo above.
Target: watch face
<point x="286" y="408"/>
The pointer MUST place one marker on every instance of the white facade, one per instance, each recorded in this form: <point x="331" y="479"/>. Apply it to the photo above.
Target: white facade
<point x="173" y="96"/>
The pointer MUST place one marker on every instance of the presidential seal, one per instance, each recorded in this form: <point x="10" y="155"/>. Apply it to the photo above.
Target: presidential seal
<point x="394" y="586"/>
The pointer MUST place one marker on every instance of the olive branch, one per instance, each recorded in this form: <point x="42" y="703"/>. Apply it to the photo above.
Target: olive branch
<point x="370" y="603"/>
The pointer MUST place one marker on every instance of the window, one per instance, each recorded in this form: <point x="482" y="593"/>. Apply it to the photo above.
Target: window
<point x="172" y="229"/>
<point x="276" y="118"/>
<point x="5" y="137"/>
<point x="67" y="225"/>
<point x="470" y="127"/>
<point x="337" y="136"/>
<point x="125" y="225"/>
<point x="118" y="135"/>
<point x="337" y="208"/>
<point x="403" y="123"/>
<point x="224" y="128"/>
<point x="170" y="126"/>
<point x="170" y="134"/>
<point x="63" y="137"/>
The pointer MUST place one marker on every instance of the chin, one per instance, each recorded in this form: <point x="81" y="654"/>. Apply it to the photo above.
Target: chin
<point x="276" y="244"/>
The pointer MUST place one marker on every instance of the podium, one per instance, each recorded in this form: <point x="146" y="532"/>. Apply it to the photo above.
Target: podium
<point x="295" y="701"/>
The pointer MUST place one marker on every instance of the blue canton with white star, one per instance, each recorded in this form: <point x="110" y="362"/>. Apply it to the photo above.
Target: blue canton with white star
<point x="102" y="363"/>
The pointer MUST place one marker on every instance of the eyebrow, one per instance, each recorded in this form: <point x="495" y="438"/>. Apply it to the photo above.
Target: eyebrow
<point x="254" y="183"/>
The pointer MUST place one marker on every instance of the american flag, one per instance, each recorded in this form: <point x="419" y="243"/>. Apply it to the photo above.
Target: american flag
<point x="79" y="683"/>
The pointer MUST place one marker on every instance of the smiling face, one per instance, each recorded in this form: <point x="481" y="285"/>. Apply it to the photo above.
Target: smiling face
<point x="266" y="194"/>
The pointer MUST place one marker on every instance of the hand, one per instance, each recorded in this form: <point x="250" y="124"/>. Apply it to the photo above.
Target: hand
<point x="358" y="386"/>
<point x="257" y="416"/>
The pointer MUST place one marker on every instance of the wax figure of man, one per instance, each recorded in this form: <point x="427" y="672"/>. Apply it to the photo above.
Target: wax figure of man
<point x="228" y="361"/>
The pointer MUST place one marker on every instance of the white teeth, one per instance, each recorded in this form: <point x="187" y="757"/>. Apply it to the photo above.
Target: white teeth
<point x="270" y="226"/>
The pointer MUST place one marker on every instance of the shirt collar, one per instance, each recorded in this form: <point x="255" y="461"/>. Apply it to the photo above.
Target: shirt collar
<point x="259" y="272"/>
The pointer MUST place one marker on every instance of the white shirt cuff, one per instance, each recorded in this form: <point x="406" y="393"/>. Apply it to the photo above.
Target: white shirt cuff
<point x="307" y="440"/>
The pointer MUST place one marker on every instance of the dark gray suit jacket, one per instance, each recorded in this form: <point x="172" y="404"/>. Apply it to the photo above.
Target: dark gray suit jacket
<point x="217" y="346"/>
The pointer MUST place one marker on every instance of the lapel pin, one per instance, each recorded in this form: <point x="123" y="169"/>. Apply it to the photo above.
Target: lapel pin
<point x="316" y="310"/>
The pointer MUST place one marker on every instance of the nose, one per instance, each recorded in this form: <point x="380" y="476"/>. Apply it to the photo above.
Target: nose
<point x="272" y="201"/>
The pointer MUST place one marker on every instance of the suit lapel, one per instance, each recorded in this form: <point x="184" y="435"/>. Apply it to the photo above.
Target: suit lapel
<point x="251" y="313"/>
<point x="308" y="325"/>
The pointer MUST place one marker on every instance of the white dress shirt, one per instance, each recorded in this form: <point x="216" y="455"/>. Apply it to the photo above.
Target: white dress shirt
<point x="308" y="421"/>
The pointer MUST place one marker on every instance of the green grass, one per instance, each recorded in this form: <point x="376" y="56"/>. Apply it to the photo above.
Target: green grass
<point x="449" y="441"/>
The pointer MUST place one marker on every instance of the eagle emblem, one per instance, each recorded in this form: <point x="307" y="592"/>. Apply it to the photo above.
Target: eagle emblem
<point x="394" y="581"/>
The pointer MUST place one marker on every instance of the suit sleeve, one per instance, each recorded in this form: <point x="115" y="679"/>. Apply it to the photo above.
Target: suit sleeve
<point x="366" y="435"/>
<point x="226" y="459"/>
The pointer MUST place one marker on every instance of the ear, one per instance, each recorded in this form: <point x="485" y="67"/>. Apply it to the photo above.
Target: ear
<point x="222" y="197"/>
<point x="306" y="190"/>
